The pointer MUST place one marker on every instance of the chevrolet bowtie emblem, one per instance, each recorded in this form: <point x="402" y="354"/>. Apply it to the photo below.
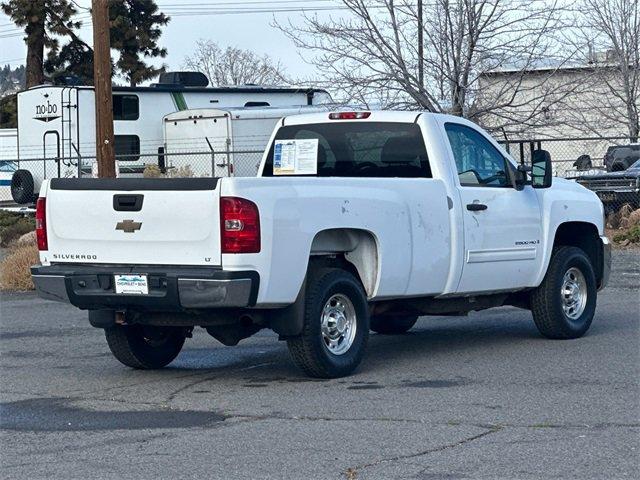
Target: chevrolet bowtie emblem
<point x="128" y="226"/>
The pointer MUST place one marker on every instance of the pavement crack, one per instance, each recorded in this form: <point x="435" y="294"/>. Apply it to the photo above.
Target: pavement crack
<point x="309" y="418"/>
<point x="178" y="391"/>
<point x="352" y="472"/>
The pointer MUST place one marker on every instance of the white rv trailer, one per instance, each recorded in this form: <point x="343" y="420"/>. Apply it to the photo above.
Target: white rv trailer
<point x="223" y="132"/>
<point x="56" y="124"/>
<point x="8" y="155"/>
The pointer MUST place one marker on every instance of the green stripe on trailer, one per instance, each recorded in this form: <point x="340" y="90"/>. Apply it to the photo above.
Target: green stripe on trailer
<point x="179" y="101"/>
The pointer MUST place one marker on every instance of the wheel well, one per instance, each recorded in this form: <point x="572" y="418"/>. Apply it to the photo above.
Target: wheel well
<point x="352" y="249"/>
<point x="584" y="236"/>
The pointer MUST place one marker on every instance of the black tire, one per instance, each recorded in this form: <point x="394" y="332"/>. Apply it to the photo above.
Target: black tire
<point x="145" y="347"/>
<point x="309" y="350"/>
<point x="393" y="324"/>
<point x="548" y="299"/>
<point x="22" y="187"/>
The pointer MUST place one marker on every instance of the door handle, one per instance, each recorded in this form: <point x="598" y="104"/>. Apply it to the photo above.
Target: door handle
<point x="127" y="203"/>
<point x="476" y="207"/>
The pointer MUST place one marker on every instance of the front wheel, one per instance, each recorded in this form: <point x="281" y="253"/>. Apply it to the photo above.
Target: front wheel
<point x="564" y="304"/>
<point x="143" y="346"/>
<point x="336" y="325"/>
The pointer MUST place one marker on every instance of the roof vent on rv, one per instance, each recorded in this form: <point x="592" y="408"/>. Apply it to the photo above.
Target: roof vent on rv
<point x="185" y="79"/>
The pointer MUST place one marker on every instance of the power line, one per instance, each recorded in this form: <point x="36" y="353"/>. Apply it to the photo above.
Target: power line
<point x="207" y="9"/>
<point x="215" y="9"/>
<point x="241" y="2"/>
<point x="11" y="60"/>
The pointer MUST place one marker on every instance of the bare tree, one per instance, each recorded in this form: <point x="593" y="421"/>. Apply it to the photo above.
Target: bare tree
<point x="612" y="29"/>
<point x="234" y="66"/>
<point x="375" y="48"/>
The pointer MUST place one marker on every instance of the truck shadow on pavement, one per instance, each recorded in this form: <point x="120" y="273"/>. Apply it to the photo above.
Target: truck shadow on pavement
<point x="433" y="340"/>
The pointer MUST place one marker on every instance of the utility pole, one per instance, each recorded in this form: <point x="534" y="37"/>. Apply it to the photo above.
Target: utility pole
<point x="420" y="48"/>
<point x="102" y="81"/>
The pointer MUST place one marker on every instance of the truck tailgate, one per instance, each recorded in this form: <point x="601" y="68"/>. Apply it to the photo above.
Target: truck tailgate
<point x="133" y="221"/>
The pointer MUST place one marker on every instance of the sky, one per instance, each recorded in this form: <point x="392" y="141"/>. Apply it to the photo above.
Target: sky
<point x="217" y="20"/>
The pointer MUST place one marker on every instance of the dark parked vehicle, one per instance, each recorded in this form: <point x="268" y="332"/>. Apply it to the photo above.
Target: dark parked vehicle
<point x="621" y="157"/>
<point x="615" y="188"/>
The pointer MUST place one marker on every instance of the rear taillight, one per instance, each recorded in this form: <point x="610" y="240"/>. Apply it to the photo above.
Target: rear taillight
<point x="41" y="223"/>
<point x="349" y="115"/>
<point x="239" y="225"/>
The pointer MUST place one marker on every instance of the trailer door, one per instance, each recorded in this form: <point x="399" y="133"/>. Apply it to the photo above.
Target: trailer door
<point x="198" y="140"/>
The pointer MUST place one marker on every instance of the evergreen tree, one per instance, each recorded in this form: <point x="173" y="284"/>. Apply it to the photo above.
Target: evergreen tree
<point x="42" y="21"/>
<point x="9" y="111"/>
<point x="73" y="59"/>
<point x="135" y="30"/>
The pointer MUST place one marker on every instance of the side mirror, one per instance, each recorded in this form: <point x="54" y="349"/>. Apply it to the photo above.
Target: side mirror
<point x="541" y="169"/>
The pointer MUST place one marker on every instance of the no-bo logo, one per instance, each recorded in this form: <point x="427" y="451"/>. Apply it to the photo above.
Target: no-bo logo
<point x="46" y="112"/>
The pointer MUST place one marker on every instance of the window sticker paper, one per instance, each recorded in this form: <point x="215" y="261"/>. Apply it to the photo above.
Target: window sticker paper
<point x="295" y="157"/>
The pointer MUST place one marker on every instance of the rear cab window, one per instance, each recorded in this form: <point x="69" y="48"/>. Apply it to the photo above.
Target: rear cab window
<point x="349" y="149"/>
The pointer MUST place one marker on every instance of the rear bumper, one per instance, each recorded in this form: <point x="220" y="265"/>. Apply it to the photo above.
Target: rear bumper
<point x="606" y="262"/>
<point x="91" y="287"/>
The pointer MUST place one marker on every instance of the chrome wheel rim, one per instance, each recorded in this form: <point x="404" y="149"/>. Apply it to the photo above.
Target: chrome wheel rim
<point x="574" y="293"/>
<point x="338" y="325"/>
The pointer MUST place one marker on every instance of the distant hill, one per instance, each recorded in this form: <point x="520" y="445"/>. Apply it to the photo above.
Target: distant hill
<point x="11" y="80"/>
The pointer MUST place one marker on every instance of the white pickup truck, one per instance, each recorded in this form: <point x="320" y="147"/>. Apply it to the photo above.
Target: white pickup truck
<point x="357" y="221"/>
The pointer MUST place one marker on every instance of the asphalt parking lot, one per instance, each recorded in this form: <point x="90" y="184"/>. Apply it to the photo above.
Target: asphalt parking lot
<point x="457" y="398"/>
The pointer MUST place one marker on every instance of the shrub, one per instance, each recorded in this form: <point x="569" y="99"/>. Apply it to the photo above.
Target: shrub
<point x="27" y="238"/>
<point x="630" y="236"/>
<point x="180" y="172"/>
<point x="8" y="218"/>
<point x="631" y="220"/>
<point x="14" y="270"/>
<point x="153" y="171"/>
<point x="14" y="231"/>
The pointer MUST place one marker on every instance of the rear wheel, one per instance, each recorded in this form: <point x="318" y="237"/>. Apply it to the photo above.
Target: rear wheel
<point x="564" y="304"/>
<point x="336" y="325"/>
<point x="144" y="346"/>
<point x="393" y="324"/>
<point x="22" y="187"/>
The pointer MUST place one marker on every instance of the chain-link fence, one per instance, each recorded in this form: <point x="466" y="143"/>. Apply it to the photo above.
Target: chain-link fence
<point x="162" y="164"/>
<point x="571" y="157"/>
<point x="243" y="163"/>
<point x="599" y="164"/>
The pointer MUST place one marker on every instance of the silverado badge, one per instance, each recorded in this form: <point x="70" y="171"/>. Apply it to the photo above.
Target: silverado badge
<point x="128" y="226"/>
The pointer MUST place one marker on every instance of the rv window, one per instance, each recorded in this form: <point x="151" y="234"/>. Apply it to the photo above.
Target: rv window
<point x="126" y="107"/>
<point x="127" y="147"/>
<point x="256" y="104"/>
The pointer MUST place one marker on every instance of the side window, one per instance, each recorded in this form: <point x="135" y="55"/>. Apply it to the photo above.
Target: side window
<point x="478" y="162"/>
<point x="126" y="147"/>
<point x="126" y="107"/>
